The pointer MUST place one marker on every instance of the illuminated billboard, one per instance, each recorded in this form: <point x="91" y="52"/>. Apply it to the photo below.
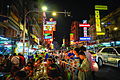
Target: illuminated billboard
<point x="84" y="25"/>
<point x="85" y="31"/>
<point x="97" y="17"/>
<point x="101" y="7"/>
<point x="100" y="33"/>
<point x="71" y="36"/>
<point x="51" y="22"/>
<point x="53" y="27"/>
<point x="47" y="36"/>
<point x="85" y="38"/>
<point x="48" y="32"/>
<point x="47" y="27"/>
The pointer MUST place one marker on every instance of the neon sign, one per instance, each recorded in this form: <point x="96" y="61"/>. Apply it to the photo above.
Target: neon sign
<point x="85" y="38"/>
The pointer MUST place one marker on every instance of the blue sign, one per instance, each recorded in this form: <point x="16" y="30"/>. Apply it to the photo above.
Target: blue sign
<point x="85" y="38"/>
<point x="47" y="37"/>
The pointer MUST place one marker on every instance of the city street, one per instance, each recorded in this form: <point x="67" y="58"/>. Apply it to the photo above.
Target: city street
<point x="59" y="39"/>
<point x="108" y="73"/>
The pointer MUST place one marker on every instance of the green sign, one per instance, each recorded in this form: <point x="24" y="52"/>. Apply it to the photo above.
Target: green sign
<point x="47" y="34"/>
<point x="71" y="33"/>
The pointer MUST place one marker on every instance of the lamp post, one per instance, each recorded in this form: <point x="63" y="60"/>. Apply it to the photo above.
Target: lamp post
<point x="44" y="8"/>
<point x="24" y="27"/>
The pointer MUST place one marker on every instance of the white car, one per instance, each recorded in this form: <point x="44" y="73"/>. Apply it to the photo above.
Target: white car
<point x="109" y="56"/>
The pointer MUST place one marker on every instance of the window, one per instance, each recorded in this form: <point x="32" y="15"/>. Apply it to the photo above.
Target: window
<point x="118" y="49"/>
<point x="98" y="50"/>
<point x="111" y="51"/>
<point x="105" y="50"/>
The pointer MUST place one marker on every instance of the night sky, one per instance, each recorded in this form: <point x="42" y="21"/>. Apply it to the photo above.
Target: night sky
<point x="80" y="10"/>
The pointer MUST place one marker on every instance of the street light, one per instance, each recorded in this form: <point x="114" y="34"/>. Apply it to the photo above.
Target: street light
<point x="54" y="13"/>
<point x="115" y="28"/>
<point x="44" y="8"/>
<point x="65" y="12"/>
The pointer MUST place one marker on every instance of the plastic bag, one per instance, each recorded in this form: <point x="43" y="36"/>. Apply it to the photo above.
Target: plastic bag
<point x="95" y="66"/>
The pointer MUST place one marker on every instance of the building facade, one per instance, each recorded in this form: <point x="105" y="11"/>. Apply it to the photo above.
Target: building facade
<point x="110" y="25"/>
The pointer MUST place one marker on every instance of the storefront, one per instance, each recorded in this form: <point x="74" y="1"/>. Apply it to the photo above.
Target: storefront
<point x="6" y="45"/>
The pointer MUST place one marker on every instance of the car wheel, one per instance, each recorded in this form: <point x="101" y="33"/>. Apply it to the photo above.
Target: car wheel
<point x="100" y="62"/>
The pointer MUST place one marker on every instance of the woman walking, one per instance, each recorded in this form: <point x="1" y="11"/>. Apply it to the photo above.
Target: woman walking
<point x="84" y="69"/>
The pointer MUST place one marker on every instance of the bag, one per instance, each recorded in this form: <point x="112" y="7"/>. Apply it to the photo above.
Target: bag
<point x="95" y="66"/>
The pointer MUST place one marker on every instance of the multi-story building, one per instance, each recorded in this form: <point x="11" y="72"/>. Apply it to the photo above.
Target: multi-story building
<point x="110" y="24"/>
<point x="12" y="17"/>
<point x="76" y="32"/>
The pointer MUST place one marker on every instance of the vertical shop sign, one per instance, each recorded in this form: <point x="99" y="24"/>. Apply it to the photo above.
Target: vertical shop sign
<point x="97" y="17"/>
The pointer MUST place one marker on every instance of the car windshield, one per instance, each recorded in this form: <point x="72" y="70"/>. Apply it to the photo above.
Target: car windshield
<point x="118" y="49"/>
<point x="98" y="49"/>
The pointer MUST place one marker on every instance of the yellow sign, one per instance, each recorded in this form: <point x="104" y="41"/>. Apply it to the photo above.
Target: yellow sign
<point x="97" y="17"/>
<point x="35" y="38"/>
<point x="21" y="27"/>
<point x="100" y="33"/>
<point x="101" y="7"/>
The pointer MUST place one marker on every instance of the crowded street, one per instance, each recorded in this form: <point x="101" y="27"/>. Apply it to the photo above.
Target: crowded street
<point x="60" y="40"/>
<point x="64" y="66"/>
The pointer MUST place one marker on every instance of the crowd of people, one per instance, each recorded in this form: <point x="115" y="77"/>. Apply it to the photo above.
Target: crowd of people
<point x="73" y="64"/>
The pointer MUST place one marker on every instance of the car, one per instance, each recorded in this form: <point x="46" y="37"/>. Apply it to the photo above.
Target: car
<point x="108" y="56"/>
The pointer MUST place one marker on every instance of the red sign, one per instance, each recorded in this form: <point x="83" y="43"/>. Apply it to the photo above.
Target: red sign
<point x="84" y="25"/>
<point x="48" y="32"/>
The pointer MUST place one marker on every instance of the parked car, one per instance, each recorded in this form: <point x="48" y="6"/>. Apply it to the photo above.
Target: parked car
<point x="108" y="56"/>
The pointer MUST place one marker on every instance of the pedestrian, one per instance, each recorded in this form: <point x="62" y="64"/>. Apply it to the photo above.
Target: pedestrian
<point x="15" y="60"/>
<point x="79" y="47"/>
<point x="85" y="72"/>
<point x="22" y="60"/>
<point x="7" y="64"/>
<point x="53" y="71"/>
<point x="71" y="54"/>
<point x="28" y="69"/>
<point x="38" y="62"/>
